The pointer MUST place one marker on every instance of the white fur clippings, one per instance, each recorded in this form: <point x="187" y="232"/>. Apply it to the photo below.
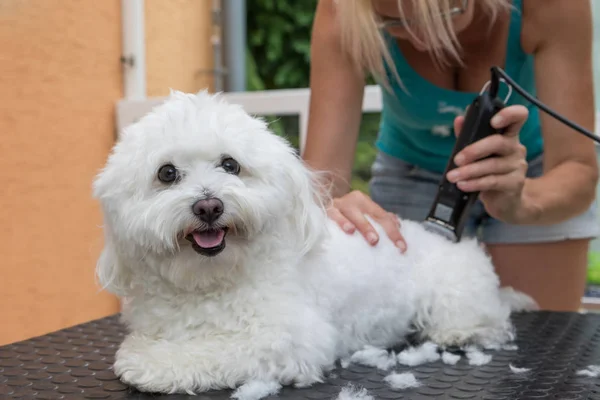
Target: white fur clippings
<point x="476" y="356"/>
<point x="349" y="392"/>
<point x="424" y="353"/>
<point x="592" y="371"/>
<point x="374" y="357"/>
<point x="450" y="358"/>
<point x="217" y="241"/>
<point x="256" y="390"/>
<point x="402" y="380"/>
<point x="517" y="370"/>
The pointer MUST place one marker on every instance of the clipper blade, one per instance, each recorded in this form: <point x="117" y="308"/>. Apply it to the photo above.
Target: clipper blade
<point x="440" y="228"/>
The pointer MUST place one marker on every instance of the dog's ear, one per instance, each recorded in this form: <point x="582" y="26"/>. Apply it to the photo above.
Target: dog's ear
<point x="308" y="212"/>
<point x="112" y="273"/>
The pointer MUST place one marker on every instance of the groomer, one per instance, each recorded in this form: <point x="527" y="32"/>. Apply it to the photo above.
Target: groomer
<point x="536" y="213"/>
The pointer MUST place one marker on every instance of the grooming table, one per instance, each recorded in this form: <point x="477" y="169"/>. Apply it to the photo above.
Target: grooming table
<point x="74" y="363"/>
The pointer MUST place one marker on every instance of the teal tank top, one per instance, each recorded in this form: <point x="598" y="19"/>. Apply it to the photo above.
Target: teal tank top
<point x="417" y="124"/>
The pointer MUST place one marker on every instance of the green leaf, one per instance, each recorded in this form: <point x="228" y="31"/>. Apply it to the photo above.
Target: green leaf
<point x="253" y="80"/>
<point x="279" y="41"/>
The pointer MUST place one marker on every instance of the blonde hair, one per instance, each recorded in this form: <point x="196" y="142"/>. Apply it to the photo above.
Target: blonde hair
<point x="366" y="46"/>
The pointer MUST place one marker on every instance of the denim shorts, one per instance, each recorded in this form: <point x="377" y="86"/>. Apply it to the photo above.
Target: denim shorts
<point x="409" y="191"/>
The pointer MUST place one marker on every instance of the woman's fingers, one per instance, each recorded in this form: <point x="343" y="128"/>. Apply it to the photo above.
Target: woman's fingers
<point x="362" y="225"/>
<point x="511" y="119"/>
<point x="488" y="166"/>
<point x="341" y="220"/>
<point x="509" y="183"/>
<point x="494" y="145"/>
<point x="351" y="210"/>
<point x="391" y="225"/>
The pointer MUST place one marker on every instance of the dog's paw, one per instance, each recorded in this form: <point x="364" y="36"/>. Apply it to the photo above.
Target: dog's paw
<point x="256" y="390"/>
<point x="151" y="378"/>
<point x="158" y="367"/>
<point x="305" y="381"/>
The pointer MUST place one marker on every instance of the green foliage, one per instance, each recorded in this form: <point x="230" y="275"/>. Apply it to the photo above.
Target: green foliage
<point x="278" y="57"/>
<point x="279" y="42"/>
<point x="365" y="152"/>
<point x="593" y="273"/>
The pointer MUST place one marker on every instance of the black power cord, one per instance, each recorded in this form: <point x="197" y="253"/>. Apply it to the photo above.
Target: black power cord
<point x="498" y="73"/>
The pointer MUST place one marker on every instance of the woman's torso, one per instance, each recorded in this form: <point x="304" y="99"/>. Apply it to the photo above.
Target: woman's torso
<point x="417" y="123"/>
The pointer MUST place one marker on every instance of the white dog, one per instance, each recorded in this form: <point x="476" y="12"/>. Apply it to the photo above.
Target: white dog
<point x="216" y="238"/>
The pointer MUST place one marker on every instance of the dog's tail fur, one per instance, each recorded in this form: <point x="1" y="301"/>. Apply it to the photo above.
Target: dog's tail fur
<point x="517" y="301"/>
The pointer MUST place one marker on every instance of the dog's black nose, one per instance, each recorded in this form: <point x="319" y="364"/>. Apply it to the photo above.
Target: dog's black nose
<point x="208" y="210"/>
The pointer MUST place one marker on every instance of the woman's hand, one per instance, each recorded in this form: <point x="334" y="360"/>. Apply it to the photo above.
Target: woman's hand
<point x="501" y="177"/>
<point x="349" y="212"/>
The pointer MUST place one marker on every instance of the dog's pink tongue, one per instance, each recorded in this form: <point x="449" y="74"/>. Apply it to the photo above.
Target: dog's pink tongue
<point x="208" y="239"/>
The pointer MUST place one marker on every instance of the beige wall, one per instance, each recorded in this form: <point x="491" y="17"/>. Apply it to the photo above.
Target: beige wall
<point x="178" y="48"/>
<point x="60" y="78"/>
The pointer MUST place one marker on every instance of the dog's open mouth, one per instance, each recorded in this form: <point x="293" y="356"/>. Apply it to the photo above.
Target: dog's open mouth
<point x="208" y="242"/>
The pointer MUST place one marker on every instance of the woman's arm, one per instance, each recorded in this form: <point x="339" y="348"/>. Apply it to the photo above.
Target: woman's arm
<point x="335" y="113"/>
<point x="337" y="89"/>
<point x="561" y="33"/>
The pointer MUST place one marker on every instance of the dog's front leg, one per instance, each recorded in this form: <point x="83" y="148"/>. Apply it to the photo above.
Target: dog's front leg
<point x="219" y="362"/>
<point x="167" y="366"/>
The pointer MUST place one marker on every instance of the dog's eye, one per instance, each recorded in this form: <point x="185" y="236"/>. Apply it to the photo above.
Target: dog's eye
<point x="168" y="173"/>
<point x="230" y="166"/>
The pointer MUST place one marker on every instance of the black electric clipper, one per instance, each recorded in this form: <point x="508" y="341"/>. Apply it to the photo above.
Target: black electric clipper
<point x="451" y="206"/>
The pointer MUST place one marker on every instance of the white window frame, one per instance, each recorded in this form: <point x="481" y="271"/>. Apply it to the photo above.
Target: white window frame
<point x="282" y="102"/>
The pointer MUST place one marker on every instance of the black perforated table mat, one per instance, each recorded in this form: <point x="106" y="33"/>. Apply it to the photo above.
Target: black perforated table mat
<point x="75" y="363"/>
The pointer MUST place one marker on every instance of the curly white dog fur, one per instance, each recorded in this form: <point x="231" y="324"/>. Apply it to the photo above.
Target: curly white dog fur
<point x="230" y="271"/>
